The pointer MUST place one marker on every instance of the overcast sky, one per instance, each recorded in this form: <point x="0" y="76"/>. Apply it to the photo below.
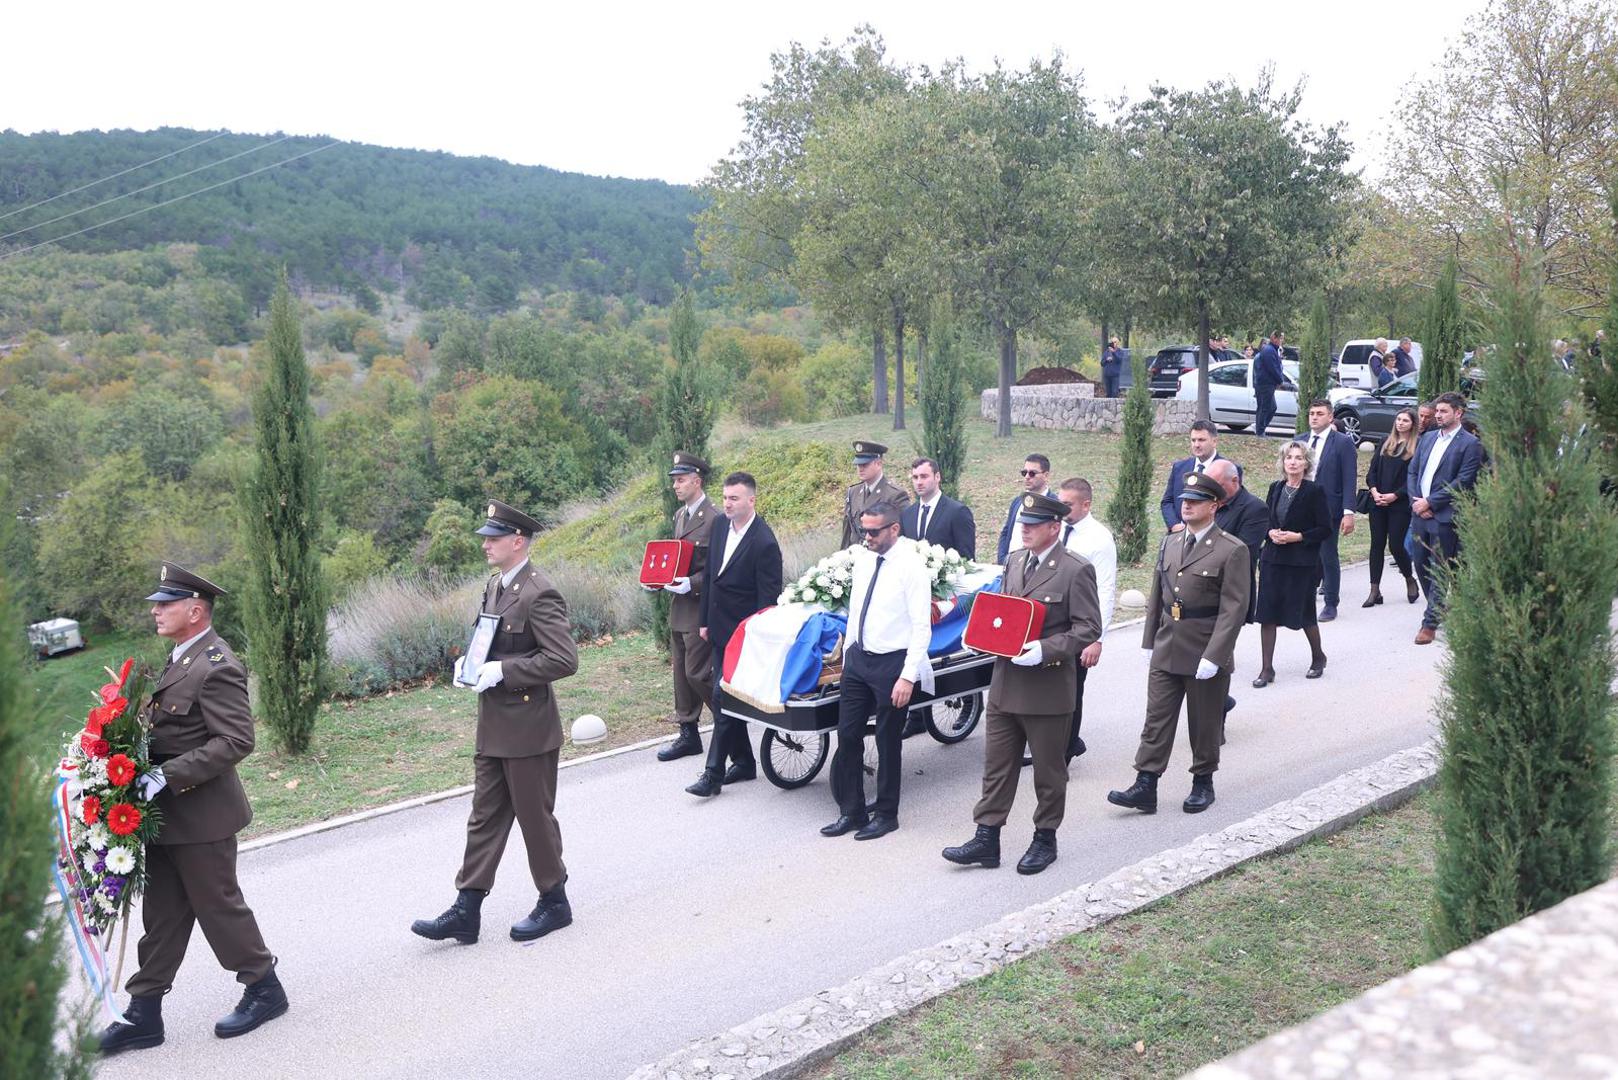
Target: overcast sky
<point x="650" y="90"/>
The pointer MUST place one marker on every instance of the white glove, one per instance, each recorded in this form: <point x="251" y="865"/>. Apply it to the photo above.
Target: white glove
<point x="151" y="783"/>
<point x="490" y="675"/>
<point x="1031" y="656"/>
<point x="679" y="586"/>
<point x="1206" y="669"/>
<point x="1147" y="651"/>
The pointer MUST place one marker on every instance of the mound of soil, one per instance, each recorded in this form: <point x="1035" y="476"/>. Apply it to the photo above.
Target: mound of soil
<point x="1047" y="376"/>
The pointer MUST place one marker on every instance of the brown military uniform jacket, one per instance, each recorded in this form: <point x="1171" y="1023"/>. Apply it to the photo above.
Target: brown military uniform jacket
<point x="201" y="727"/>
<point x="856" y="499"/>
<point x="1213" y="585"/>
<point x="534" y="644"/>
<point x="1066" y="584"/>
<point x="685" y="609"/>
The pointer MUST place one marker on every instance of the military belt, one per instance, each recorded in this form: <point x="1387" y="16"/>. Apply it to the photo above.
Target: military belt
<point x="1179" y="612"/>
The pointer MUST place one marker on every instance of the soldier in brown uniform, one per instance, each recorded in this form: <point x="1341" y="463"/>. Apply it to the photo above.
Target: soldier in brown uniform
<point x="201" y="727"/>
<point x="1031" y="696"/>
<point x="1201" y="590"/>
<point x="519" y="738"/>
<point x="873" y="488"/>
<point x="690" y="652"/>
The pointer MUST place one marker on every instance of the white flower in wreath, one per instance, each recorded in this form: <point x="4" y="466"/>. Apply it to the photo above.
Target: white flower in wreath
<point x="98" y="837"/>
<point x="120" y="860"/>
<point x="104" y="902"/>
<point x="89" y="863"/>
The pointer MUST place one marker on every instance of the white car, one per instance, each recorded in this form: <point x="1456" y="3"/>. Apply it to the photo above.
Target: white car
<point x="1353" y="361"/>
<point x="1231" y="400"/>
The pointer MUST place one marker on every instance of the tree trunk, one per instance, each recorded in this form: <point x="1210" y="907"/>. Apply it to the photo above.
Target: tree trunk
<point x="1008" y="375"/>
<point x="879" y="370"/>
<point x="898" y="369"/>
<point x="1128" y="323"/>
<point x="921" y="359"/>
<point x="1103" y="339"/>
<point x="1203" y="330"/>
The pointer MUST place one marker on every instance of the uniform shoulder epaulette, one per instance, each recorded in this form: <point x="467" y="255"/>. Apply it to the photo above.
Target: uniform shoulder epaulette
<point x="216" y="657"/>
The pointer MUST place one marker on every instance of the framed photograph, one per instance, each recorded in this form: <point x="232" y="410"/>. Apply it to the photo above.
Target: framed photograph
<point x="477" y="648"/>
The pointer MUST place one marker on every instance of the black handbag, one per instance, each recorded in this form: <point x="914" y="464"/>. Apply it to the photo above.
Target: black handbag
<point x="1362" y="503"/>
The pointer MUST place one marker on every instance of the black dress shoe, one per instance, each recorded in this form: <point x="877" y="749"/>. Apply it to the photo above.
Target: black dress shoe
<point x="982" y="850"/>
<point x="707" y="785"/>
<point x="1076" y="748"/>
<point x="1317" y="668"/>
<point x="260" y="1003"/>
<point x="460" y="922"/>
<point x="1328" y="613"/>
<point x="741" y="770"/>
<point x="844" y="824"/>
<point x="144" y="1027"/>
<point x="687" y="744"/>
<point x="879" y="826"/>
<point x="1264" y="679"/>
<point x="1141" y="795"/>
<point x="551" y="913"/>
<point x="1201" y="797"/>
<point x="1040" y="854"/>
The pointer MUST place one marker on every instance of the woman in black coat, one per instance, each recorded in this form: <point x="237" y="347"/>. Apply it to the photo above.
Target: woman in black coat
<point x="1289" y="563"/>
<point x="1388" y="481"/>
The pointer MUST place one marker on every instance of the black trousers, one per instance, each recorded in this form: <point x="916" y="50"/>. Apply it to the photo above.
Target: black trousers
<point x="729" y="737"/>
<point x="1110" y="383"/>
<point x="1389" y="525"/>
<point x="867" y="688"/>
<point x="1264" y="407"/>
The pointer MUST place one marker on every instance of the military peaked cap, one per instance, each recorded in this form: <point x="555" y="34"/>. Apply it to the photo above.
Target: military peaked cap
<point x="688" y="463"/>
<point x="175" y="582"/>
<point x="1036" y="509"/>
<point x="1200" y="487"/>
<point x="866" y="451"/>
<point x="505" y="519"/>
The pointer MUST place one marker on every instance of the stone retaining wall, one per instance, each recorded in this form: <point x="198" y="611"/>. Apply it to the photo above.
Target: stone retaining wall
<point x="1073" y="407"/>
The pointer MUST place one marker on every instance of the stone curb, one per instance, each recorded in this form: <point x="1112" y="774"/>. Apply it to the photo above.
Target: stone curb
<point x="788" y="1041"/>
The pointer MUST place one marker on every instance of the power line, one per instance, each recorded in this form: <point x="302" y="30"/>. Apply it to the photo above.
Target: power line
<point x="148" y="187"/>
<point x="114" y="176"/>
<point x="165" y="202"/>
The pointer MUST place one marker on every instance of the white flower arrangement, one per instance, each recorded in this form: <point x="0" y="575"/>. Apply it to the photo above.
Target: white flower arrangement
<point x="120" y="860"/>
<point x="830" y="582"/>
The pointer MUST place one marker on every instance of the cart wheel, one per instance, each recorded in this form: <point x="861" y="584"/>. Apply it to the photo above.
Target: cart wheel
<point x="953" y="719"/>
<point x="791" y="760"/>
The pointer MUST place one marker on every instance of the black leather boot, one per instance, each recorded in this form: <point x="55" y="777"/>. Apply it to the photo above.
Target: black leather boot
<point x="144" y="1027"/>
<point x="1141" y="795"/>
<point x="261" y="1002"/>
<point x="982" y="850"/>
<point x="551" y="913"/>
<point x="707" y="785"/>
<point x="1040" y="854"/>
<point x="688" y="742"/>
<point x="1201" y="797"/>
<point x="460" y="922"/>
<point x="740" y="772"/>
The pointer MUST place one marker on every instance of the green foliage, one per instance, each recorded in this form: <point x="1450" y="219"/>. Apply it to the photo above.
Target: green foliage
<point x="32" y="974"/>
<point x="1443" y="337"/>
<point x="168" y="429"/>
<point x="376" y="476"/>
<point x="394" y="630"/>
<point x="768" y="397"/>
<point x="93" y="559"/>
<point x="511" y="439"/>
<point x="944" y="403"/>
<point x="1128" y="511"/>
<point x="354" y="558"/>
<point x="281" y="515"/>
<point x="836" y="379"/>
<point x="1314" y="361"/>
<point x="1598" y="371"/>
<point x="451" y="544"/>
<point x="1525" y="784"/>
<point x="690" y="405"/>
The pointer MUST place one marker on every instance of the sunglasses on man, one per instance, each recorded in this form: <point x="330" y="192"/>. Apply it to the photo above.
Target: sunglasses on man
<point x="879" y="530"/>
<point x="1030" y="472"/>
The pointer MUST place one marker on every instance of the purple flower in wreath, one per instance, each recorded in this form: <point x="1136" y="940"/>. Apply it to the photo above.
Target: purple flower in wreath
<point x="112" y="885"/>
<point x="101" y="866"/>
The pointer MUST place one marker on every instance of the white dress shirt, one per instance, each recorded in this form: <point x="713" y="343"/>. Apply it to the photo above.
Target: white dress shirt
<point x="735" y="541"/>
<point x="900" y="615"/>
<point x="179" y="650"/>
<point x="925" y="512"/>
<point x="1093" y="541"/>
<point x="1440" y="445"/>
<point x="511" y="575"/>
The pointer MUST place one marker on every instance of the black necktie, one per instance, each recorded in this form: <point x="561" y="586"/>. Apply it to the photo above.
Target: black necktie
<point x="870" y="591"/>
<point x="1314" y="443"/>
<point x="921" y="534"/>
<point x="1190" y="544"/>
<point x="1067" y="531"/>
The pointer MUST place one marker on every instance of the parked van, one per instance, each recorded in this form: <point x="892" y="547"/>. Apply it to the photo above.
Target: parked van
<point x="1353" y="363"/>
<point x="55" y="636"/>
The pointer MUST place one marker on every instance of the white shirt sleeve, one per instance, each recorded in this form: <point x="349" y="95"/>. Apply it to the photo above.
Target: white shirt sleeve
<point x="918" y="602"/>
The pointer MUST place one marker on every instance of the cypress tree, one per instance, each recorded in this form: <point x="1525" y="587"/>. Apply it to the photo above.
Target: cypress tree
<point x="1314" y="362"/>
<point x="1444" y="332"/>
<point x="1127" y="513"/>
<point x="690" y="405"/>
<point x="31" y="972"/>
<point x="1598" y="375"/>
<point x="1526" y="780"/>
<point x="285" y="601"/>
<point x="943" y="399"/>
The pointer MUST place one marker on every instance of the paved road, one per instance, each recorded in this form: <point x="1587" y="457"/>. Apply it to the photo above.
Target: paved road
<point x="694" y="916"/>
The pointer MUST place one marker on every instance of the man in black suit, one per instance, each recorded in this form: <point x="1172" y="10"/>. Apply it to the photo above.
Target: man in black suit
<point x="934" y="516"/>
<point x="744" y="564"/>
<point x="1446" y="463"/>
<point x="1336" y="471"/>
<point x="1204" y="452"/>
<point x="1036" y="480"/>
<point x="1242" y="514"/>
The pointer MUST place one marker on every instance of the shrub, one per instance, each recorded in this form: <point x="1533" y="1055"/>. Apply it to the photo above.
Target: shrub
<point x="1128" y="512"/>
<point x="836" y="380"/>
<point x="390" y="631"/>
<point x="354" y="559"/>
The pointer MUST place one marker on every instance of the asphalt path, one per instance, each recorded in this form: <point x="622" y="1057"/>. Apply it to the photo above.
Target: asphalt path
<point x="692" y="916"/>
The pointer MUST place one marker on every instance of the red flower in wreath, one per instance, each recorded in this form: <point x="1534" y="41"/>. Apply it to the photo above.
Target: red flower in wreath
<point x="95" y="746"/>
<point x="97" y="720"/>
<point x="91" y="810"/>
<point x="123" y="672"/>
<point x="120" y="770"/>
<point x="123" y="819"/>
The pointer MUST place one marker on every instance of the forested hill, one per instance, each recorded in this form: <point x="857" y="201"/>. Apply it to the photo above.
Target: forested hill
<point x="450" y="231"/>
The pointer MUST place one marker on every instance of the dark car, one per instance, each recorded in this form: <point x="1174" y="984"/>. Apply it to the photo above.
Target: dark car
<point x="1170" y="363"/>
<point x="1368" y="416"/>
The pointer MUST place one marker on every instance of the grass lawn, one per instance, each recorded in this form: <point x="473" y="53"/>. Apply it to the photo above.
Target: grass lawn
<point x="382" y="749"/>
<point x="1163" y="991"/>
